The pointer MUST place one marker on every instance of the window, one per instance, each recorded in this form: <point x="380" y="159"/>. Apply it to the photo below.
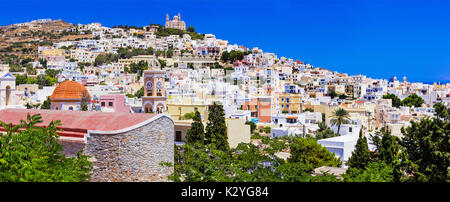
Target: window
<point x="103" y="104"/>
<point x="287" y="106"/>
<point x="350" y="129"/>
<point x="177" y="136"/>
<point x="110" y="104"/>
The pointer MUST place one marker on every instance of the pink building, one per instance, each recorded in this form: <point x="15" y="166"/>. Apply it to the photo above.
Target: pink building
<point x="113" y="103"/>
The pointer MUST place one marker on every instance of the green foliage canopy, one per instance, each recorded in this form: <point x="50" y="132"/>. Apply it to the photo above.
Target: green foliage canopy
<point x="34" y="155"/>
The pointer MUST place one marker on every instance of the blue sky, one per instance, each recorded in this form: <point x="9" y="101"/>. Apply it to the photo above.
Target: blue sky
<point x="378" y="38"/>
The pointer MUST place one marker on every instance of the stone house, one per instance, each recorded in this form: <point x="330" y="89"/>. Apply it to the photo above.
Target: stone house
<point x="122" y="146"/>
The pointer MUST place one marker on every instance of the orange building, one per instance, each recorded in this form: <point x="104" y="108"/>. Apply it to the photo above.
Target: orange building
<point x="260" y="108"/>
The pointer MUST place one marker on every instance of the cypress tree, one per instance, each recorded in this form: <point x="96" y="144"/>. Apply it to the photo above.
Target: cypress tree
<point x="216" y="130"/>
<point x="196" y="133"/>
<point x="389" y="149"/>
<point x="360" y="156"/>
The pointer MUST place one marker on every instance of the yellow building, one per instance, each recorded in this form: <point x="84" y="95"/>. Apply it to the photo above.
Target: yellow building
<point x="135" y="59"/>
<point x="237" y="131"/>
<point x="178" y="110"/>
<point x="53" y="52"/>
<point x="290" y="103"/>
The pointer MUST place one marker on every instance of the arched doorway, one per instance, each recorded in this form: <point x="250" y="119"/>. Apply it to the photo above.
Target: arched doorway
<point x="8" y="94"/>
<point x="148" y="108"/>
<point x="160" y="108"/>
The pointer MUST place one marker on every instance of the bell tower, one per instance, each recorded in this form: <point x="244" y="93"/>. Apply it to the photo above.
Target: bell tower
<point x="154" y="99"/>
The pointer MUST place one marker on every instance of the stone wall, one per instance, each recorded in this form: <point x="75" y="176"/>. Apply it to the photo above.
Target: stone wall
<point x="71" y="148"/>
<point x="134" y="155"/>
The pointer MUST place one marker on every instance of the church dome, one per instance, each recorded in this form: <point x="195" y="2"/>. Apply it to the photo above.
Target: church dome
<point x="70" y="90"/>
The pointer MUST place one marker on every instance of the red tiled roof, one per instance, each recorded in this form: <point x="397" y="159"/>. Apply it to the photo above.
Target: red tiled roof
<point x="77" y="122"/>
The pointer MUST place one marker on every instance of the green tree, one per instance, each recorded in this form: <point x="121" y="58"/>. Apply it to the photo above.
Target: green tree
<point x="194" y="163"/>
<point x="374" y="172"/>
<point x="360" y="157"/>
<point x="309" y="152"/>
<point x="342" y="96"/>
<point x="52" y="73"/>
<point x="139" y="67"/>
<point x="326" y="133"/>
<point x="188" y="116"/>
<point x="21" y="79"/>
<point x="84" y="103"/>
<point x="333" y="94"/>
<point x="427" y="151"/>
<point x="217" y="66"/>
<point x="245" y="163"/>
<point x="43" y="62"/>
<point x="389" y="147"/>
<point x="190" y="29"/>
<point x="196" y="133"/>
<point x="31" y="106"/>
<point x="412" y="100"/>
<point x="150" y="51"/>
<point x="225" y="56"/>
<point x="267" y="129"/>
<point x="46" y="104"/>
<point x="15" y="68"/>
<point x="252" y="126"/>
<point x="442" y="111"/>
<point x="396" y="102"/>
<point x="389" y="152"/>
<point x="140" y="92"/>
<point x="99" y="60"/>
<point x="169" y="53"/>
<point x="26" y="61"/>
<point x="216" y="130"/>
<point x="34" y="155"/>
<point x="340" y="116"/>
<point x="30" y="70"/>
<point x="162" y="63"/>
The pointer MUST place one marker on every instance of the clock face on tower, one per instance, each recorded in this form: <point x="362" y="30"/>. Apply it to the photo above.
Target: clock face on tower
<point x="159" y="85"/>
<point x="149" y="85"/>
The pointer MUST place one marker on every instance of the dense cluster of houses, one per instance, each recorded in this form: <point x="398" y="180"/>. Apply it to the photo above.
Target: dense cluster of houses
<point x="289" y="96"/>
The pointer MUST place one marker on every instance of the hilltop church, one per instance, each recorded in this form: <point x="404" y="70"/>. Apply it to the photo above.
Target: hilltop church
<point x="176" y="23"/>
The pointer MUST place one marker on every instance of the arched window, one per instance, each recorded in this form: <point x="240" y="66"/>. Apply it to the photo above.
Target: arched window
<point x="8" y="94"/>
<point x="71" y="108"/>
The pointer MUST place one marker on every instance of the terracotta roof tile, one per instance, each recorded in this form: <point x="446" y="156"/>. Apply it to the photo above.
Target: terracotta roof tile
<point x="69" y="90"/>
<point x="78" y="120"/>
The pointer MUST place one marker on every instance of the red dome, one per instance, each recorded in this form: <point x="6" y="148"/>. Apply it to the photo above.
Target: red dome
<point x="70" y="90"/>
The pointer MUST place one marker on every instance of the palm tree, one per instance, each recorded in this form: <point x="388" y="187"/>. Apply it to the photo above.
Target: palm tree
<point x="339" y="117"/>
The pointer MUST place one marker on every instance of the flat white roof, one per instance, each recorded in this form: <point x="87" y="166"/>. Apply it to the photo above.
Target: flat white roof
<point x="343" y="138"/>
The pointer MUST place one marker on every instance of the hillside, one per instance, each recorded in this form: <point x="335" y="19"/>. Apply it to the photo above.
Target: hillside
<point x="22" y="39"/>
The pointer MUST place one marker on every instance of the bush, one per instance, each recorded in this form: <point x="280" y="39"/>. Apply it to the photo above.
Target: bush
<point x="34" y="155"/>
